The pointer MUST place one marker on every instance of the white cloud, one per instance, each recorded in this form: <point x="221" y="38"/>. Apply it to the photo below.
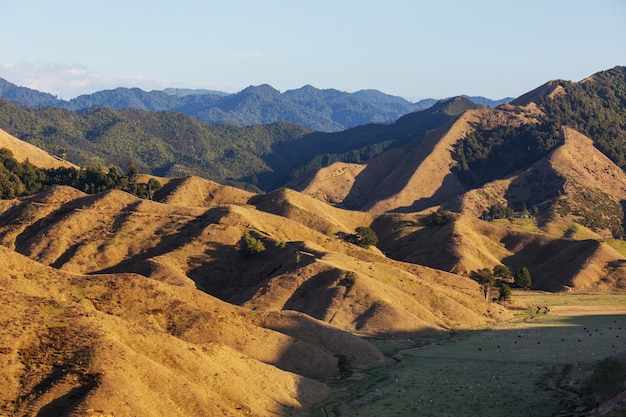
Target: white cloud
<point x="69" y="81"/>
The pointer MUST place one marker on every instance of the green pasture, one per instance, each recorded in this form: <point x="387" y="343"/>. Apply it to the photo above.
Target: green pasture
<point x="509" y="370"/>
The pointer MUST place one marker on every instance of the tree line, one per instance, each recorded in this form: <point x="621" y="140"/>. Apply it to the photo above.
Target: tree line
<point x="19" y="179"/>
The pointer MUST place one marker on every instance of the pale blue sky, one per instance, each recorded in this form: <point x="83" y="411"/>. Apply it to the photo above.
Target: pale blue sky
<point x="411" y="48"/>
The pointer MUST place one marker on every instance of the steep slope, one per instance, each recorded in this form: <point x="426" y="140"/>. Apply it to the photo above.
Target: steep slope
<point x="121" y="344"/>
<point x="574" y="188"/>
<point x="114" y="232"/>
<point x="412" y="178"/>
<point x="384" y="183"/>
<point x="23" y="151"/>
<point x="574" y="183"/>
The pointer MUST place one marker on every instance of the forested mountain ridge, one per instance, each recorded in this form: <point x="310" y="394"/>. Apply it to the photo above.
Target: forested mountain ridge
<point x="268" y="156"/>
<point x="326" y="110"/>
<point x="173" y="144"/>
<point x="595" y="106"/>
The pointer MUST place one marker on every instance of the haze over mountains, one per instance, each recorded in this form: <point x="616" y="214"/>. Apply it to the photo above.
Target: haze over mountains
<point x="323" y="110"/>
<point x="253" y="300"/>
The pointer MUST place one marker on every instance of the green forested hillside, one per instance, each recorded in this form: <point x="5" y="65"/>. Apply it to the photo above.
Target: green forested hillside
<point x="168" y="143"/>
<point x="154" y="142"/>
<point x="595" y="107"/>
<point x="23" y="178"/>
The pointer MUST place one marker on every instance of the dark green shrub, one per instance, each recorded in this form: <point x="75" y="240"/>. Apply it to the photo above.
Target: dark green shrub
<point x="250" y="245"/>
<point x="367" y="237"/>
<point x="523" y="278"/>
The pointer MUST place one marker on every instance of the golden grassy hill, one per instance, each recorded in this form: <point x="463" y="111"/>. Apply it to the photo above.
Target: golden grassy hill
<point x="330" y="184"/>
<point x="549" y="89"/>
<point x="114" y="232"/>
<point x="124" y="345"/>
<point x="103" y="313"/>
<point x="198" y="192"/>
<point x="414" y="178"/>
<point x="121" y="344"/>
<point x="23" y="151"/>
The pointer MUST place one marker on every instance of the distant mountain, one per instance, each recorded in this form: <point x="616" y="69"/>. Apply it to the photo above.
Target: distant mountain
<point x="488" y="102"/>
<point x="27" y="97"/>
<point x="182" y="92"/>
<point x="326" y="110"/>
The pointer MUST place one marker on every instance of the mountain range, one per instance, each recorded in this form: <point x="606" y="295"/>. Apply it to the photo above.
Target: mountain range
<point x="204" y="298"/>
<point x="327" y="110"/>
<point x="170" y="143"/>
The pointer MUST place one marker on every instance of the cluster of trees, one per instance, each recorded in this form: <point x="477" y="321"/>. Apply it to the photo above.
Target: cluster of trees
<point x="441" y="217"/>
<point x="23" y="178"/>
<point x="363" y="237"/>
<point x="250" y="245"/>
<point x="489" y="278"/>
<point x="498" y="211"/>
<point x="487" y="154"/>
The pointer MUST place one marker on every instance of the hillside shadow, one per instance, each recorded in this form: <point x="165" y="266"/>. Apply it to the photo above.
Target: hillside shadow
<point x="552" y="265"/>
<point x="167" y="243"/>
<point x="68" y="404"/>
<point x="450" y="188"/>
<point x="226" y="273"/>
<point x="316" y="296"/>
<point x="535" y="187"/>
<point x="35" y="228"/>
<point x="426" y="246"/>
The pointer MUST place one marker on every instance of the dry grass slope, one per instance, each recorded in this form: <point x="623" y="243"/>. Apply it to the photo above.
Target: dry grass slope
<point x="121" y="344"/>
<point x="23" y="151"/>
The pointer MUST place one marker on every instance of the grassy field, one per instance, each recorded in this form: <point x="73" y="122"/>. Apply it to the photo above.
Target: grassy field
<point x="510" y="369"/>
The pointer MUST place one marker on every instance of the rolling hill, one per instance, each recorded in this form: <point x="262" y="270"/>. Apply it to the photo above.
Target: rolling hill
<point x="208" y="298"/>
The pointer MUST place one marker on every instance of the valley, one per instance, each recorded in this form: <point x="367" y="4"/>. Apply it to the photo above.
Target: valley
<point x="457" y="261"/>
<point x="527" y="367"/>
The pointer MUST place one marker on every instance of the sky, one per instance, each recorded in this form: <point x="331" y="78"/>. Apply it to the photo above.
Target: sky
<point x="410" y="48"/>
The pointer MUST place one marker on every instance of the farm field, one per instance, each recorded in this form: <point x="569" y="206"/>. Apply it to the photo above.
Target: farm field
<point x="514" y="369"/>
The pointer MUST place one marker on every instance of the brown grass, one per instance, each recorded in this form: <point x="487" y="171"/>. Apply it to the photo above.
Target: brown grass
<point x="23" y="151"/>
<point x="116" y="305"/>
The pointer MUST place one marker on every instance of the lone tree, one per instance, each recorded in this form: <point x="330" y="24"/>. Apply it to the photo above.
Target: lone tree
<point x="486" y="280"/>
<point x="250" y="245"/>
<point x="522" y="278"/>
<point x="345" y="367"/>
<point x="28" y="213"/>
